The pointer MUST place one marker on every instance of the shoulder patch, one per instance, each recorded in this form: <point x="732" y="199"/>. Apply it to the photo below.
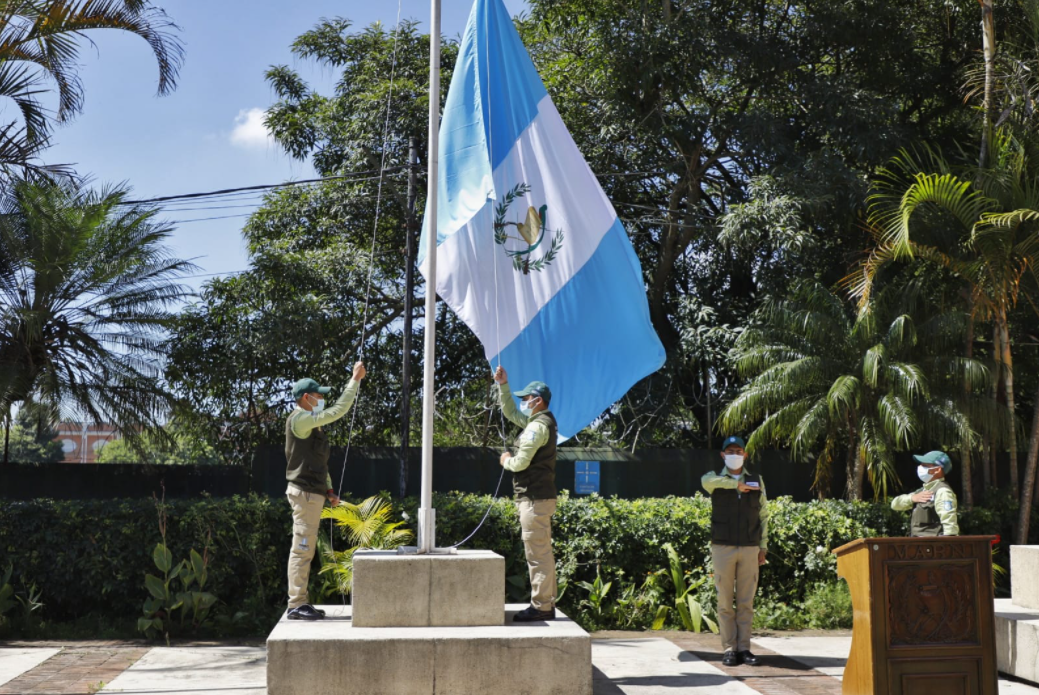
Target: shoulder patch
<point x="948" y="505"/>
<point x="529" y="435"/>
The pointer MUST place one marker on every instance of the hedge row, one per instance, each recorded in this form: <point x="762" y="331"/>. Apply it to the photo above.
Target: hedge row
<point x="90" y="557"/>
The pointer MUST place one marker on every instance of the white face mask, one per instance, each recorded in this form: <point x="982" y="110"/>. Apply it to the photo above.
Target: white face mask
<point x="733" y="462"/>
<point x="526" y="408"/>
<point x="924" y="474"/>
<point x="318" y="407"/>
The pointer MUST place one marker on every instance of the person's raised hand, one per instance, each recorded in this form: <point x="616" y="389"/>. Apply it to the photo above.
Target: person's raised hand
<point x="922" y="496"/>
<point x="500" y="377"/>
<point x="359" y="371"/>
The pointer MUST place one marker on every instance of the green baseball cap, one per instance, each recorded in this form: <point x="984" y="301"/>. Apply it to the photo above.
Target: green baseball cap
<point x="932" y="458"/>
<point x="308" y="386"/>
<point x="729" y="441"/>
<point x="537" y="388"/>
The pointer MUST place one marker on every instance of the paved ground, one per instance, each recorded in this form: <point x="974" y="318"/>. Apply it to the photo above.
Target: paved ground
<point x="623" y="664"/>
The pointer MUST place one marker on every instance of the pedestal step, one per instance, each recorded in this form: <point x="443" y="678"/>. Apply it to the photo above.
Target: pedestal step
<point x="336" y="657"/>
<point x="1017" y="639"/>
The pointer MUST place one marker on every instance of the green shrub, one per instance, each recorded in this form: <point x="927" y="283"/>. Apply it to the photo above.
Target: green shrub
<point x="828" y="606"/>
<point x="90" y="558"/>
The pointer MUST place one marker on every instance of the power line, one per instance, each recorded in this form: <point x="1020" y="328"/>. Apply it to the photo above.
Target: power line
<point x="263" y="187"/>
<point x="350" y="176"/>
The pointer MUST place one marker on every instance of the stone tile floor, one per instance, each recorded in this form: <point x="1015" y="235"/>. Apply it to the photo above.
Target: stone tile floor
<point x="623" y="664"/>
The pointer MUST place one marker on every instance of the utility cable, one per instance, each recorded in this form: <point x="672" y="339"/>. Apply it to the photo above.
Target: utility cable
<point x="371" y="266"/>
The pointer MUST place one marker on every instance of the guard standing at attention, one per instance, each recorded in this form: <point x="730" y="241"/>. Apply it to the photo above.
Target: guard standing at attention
<point x="739" y="545"/>
<point x="934" y="505"/>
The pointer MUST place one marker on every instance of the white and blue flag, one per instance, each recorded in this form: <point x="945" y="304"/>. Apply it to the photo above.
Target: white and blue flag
<point x="530" y="253"/>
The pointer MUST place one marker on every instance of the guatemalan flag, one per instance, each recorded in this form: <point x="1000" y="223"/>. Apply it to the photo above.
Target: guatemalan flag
<point x="530" y="252"/>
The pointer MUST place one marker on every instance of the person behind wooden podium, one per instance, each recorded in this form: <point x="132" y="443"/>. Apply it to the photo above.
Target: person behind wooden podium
<point x="933" y="505"/>
<point x="739" y="544"/>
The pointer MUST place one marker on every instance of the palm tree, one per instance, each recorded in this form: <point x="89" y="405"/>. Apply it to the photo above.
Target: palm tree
<point x="40" y="42"/>
<point x="86" y="285"/>
<point x="975" y="224"/>
<point x="822" y="379"/>
<point x="367" y="525"/>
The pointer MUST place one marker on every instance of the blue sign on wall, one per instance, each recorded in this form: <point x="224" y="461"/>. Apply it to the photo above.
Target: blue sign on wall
<point x="586" y="474"/>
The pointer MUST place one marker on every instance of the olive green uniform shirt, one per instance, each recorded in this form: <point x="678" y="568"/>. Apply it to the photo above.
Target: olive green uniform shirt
<point x="534" y="436"/>
<point x="945" y="505"/>
<point x="304" y="422"/>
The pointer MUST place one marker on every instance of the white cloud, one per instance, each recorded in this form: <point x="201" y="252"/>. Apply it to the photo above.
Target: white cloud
<point x="249" y="131"/>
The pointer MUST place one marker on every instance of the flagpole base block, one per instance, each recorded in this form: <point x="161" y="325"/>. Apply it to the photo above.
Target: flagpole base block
<point x="336" y="657"/>
<point x="445" y="588"/>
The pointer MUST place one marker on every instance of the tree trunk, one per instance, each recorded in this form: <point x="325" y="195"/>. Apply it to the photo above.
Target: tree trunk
<point x="986" y="466"/>
<point x="707" y="391"/>
<point x="854" y="466"/>
<point x="997" y="389"/>
<point x="7" y="436"/>
<point x="1025" y="514"/>
<point x="988" y="43"/>
<point x="965" y="447"/>
<point x="1008" y="365"/>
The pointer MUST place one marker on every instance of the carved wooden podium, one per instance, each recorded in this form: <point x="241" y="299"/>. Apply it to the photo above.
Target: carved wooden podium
<point x="923" y="616"/>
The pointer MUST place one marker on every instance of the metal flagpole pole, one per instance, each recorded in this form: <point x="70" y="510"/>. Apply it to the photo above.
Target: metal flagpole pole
<point x="426" y="513"/>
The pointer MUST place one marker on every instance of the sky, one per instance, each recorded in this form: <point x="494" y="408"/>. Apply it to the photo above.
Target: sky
<point x="208" y="134"/>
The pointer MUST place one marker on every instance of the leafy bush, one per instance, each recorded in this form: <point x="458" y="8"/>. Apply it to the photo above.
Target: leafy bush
<point x="828" y="606"/>
<point x="90" y="558"/>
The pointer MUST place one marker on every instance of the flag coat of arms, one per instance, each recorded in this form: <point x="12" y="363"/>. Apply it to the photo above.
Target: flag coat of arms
<point x="530" y="253"/>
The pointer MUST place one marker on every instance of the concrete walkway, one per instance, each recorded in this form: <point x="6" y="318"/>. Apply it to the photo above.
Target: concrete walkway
<point x="623" y="664"/>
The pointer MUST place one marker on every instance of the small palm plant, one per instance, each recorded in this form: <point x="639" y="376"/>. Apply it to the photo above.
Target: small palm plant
<point x="368" y="525"/>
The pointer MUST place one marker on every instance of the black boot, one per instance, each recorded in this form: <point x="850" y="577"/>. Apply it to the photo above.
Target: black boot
<point x="748" y="659"/>
<point x="533" y="615"/>
<point x="305" y="612"/>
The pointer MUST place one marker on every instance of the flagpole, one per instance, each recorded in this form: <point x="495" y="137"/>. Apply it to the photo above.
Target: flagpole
<point x="426" y="513"/>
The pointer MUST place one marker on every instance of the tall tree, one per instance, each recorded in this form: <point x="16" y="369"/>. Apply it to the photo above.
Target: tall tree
<point x="86" y="288"/>
<point x="736" y="142"/>
<point x="316" y="298"/>
<point x="979" y="225"/>
<point x="823" y="380"/>
<point x="40" y="43"/>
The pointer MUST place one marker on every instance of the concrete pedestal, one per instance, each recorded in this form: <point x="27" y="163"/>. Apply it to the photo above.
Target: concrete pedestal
<point x="1024" y="575"/>
<point x="1017" y="640"/>
<point x="391" y="590"/>
<point x="336" y="657"/>
<point x="1017" y="617"/>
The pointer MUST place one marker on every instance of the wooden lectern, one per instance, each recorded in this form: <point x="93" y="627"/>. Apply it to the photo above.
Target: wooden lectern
<point x="923" y="616"/>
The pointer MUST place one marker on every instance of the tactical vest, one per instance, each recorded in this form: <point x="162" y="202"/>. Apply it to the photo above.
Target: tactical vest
<point x="736" y="516"/>
<point x="925" y="520"/>
<point x="308" y="458"/>
<point x="538" y="480"/>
